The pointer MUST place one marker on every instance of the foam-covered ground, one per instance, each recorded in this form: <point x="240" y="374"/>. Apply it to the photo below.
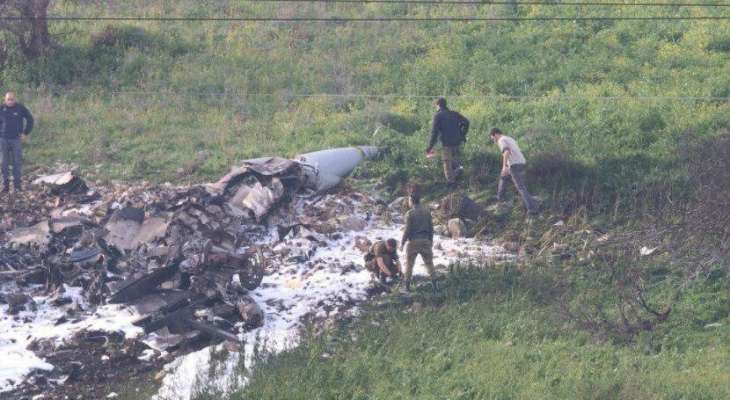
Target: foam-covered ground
<point x="17" y="332"/>
<point x="311" y="277"/>
<point x="331" y="282"/>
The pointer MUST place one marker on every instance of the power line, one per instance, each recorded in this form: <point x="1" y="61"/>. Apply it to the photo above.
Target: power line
<point x="511" y="3"/>
<point x="375" y="19"/>
<point x="242" y="95"/>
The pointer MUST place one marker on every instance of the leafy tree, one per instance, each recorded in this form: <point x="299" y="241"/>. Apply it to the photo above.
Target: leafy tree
<point x="24" y="26"/>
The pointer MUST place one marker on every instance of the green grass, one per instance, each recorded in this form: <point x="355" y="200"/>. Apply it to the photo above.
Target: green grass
<point x="486" y="337"/>
<point x="142" y="100"/>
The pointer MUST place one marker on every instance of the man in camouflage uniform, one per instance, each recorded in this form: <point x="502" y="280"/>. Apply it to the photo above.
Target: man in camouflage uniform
<point x="382" y="260"/>
<point x="419" y="235"/>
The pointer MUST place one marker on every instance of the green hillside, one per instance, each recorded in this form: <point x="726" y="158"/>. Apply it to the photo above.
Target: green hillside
<point x="624" y="123"/>
<point x="141" y="99"/>
<point x="491" y="336"/>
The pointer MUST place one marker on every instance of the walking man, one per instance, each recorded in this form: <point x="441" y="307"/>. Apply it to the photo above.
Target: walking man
<point x="513" y="167"/>
<point x="16" y="123"/>
<point x="451" y="128"/>
<point x="418" y="233"/>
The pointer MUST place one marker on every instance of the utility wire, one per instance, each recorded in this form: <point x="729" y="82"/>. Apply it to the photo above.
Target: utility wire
<point x="375" y="19"/>
<point x="511" y="3"/>
<point x="416" y="96"/>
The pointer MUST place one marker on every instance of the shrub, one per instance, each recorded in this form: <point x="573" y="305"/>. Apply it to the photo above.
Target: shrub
<point x="719" y="45"/>
<point x="120" y="36"/>
<point x="399" y="123"/>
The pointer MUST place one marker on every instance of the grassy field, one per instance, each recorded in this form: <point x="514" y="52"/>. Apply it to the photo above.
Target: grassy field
<point x="154" y="100"/>
<point x="487" y="335"/>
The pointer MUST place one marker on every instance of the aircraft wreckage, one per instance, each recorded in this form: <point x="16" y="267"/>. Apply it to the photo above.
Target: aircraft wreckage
<point x="184" y="258"/>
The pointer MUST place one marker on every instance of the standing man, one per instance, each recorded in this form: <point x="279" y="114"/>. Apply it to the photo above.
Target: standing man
<point x="513" y="167"/>
<point x="16" y="123"/>
<point x="451" y="127"/>
<point x="419" y="235"/>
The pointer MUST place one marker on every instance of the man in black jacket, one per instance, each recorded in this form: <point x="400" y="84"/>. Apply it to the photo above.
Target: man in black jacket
<point x="16" y="123"/>
<point x="451" y="127"/>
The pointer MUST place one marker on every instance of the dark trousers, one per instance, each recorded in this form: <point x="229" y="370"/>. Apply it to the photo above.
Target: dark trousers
<point x="11" y="152"/>
<point x="517" y="175"/>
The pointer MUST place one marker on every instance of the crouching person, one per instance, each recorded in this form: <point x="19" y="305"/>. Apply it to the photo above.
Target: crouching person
<point x="418" y="233"/>
<point x="382" y="260"/>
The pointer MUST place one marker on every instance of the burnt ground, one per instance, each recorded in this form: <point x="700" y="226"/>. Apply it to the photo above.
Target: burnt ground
<point x="90" y="366"/>
<point x="97" y="364"/>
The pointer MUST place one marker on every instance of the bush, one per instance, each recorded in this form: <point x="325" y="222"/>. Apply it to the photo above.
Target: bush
<point x="719" y="45"/>
<point x="62" y="66"/>
<point x="398" y="123"/>
<point x="707" y="226"/>
<point x="121" y="36"/>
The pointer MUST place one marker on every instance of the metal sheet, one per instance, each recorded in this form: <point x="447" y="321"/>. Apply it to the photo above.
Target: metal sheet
<point x="257" y="198"/>
<point x="267" y="166"/>
<point x="37" y="234"/>
<point x="152" y="228"/>
<point x="56" y="179"/>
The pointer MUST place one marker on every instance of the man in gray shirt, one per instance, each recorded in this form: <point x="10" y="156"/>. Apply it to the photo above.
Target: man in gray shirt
<point x="513" y="167"/>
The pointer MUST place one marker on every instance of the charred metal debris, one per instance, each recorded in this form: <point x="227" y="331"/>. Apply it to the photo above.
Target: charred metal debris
<point x="184" y="258"/>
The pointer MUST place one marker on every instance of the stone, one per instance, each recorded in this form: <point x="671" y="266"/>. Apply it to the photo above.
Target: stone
<point x="160" y="376"/>
<point x="60" y="298"/>
<point x="559" y="248"/>
<point x="512" y="247"/>
<point x="525" y="251"/>
<point x="353" y="223"/>
<point x="499" y="209"/>
<point x="326" y="228"/>
<point x="18" y="302"/>
<point x="251" y="313"/>
<point x="456" y="228"/>
<point x="456" y="205"/>
<point x="398" y="205"/>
